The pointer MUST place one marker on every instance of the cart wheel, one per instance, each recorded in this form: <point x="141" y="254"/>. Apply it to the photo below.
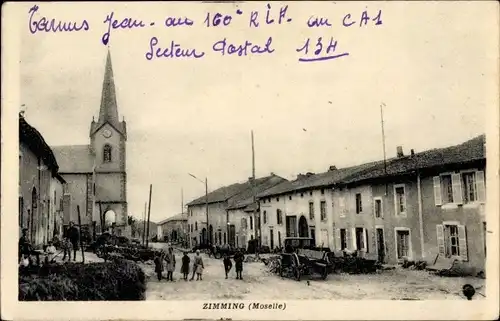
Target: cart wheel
<point x="297" y="273"/>
<point x="324" y="275"/>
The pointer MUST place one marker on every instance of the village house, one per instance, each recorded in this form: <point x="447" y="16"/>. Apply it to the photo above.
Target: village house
<point x="417" y="206"/>
<point x="222" y="228"/>
<point x="40" y="186"/>
<point x="173" y="229"/>
<point x="302" y="208"/>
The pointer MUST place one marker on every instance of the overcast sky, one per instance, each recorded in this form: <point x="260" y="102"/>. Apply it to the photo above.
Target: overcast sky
<point x="430" y="63"/>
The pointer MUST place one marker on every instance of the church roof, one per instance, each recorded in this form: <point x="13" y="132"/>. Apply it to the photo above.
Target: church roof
<point x="74" y="158"/>
<point x="108" y="112"/>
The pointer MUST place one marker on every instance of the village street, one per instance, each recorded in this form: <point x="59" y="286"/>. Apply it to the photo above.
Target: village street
<point x="397" y="284"/>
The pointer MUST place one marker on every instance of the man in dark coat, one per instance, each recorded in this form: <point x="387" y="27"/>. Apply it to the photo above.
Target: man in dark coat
<point x="238" y="259"/>
<point x="73" y="236"/>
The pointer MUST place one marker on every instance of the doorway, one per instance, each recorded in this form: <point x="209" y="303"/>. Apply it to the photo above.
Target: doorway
<point x="303" y="227"/>
<point x="271" y="238"/>
<point x="313" y="236"/>
<point x="380" y="245"/>
<point x="203" y="236"/>
<point x="403" y="244"/>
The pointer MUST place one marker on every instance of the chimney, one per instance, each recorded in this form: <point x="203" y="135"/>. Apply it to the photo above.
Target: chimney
<point x="300" y="176"/>
<point x="399" y="151"/>
<point x="412" y="152"/>
<point x="332" y="168"/>
<point x="309" y="174"/>
<point x="272" y="174"/>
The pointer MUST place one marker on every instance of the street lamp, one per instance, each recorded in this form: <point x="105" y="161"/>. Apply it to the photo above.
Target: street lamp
<point x="206" y="197"/>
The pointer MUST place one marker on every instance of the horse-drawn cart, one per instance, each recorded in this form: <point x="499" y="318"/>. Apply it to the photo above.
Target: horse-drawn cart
<point x="300" y="258"/>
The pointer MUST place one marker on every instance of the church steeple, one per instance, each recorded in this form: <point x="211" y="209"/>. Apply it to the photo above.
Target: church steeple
<point x="108" y="112"/>
<point x="109" y="108"/>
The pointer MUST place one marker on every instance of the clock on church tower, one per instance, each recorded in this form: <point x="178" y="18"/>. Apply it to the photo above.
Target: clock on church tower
<point x="107" y="133"/>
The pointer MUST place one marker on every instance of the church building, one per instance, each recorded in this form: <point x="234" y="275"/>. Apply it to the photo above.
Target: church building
<point x="96" y="173"/>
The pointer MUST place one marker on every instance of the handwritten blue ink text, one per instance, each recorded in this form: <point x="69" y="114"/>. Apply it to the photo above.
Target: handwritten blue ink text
<point x="318" y="22"/>
<point x="51" y="25"/>
<point x="175" y="22"/>
<point x="320" y="52"/>
<point x="254" y="15"/>
<point x="226" y="48"/>
<point x="364" y="19"/>
<point x="217" y="19"/>
<point x="127" y="23"/>
<point x="173" y="51"/>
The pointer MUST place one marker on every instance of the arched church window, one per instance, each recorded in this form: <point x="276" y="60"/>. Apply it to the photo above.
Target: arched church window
<point x="106" y="154"/>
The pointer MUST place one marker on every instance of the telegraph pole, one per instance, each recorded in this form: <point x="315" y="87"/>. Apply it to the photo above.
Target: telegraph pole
<point x="258" y="229"/>
<point x="149" y="214"/>
<point x="383" y="142"/>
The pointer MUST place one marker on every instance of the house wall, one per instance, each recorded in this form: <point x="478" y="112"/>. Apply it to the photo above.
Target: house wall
<point x="297" y="204"/>
<point x="180" y="226"/>
<point x="197" y="214"/>
<point x="469" y="215"/>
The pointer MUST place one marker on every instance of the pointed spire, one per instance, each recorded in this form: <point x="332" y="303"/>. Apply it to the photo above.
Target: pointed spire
<point x="109" y="109"/>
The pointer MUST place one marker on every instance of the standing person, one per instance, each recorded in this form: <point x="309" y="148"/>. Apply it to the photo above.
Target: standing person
<point x="194" y="265"/>
<point x="227" y="264"/>
<point x="198" y="262"/>
<point x="51" y="250"/>
<point x="185" y="266"/>
<point x="66" y="246"/>
<point x="25" y="247"/>
<point x="170" y="258"/>
<point x="74" y="237"/>
<point x="238" y="259"/>
<point x="159" y="265"/>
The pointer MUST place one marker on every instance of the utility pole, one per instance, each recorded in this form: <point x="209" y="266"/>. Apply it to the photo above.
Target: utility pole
<point x="256" y="221"/>
<point x="144" y="224"/>
<point x="206" y="205"/>
<point x="149" y="213"/>
<point x="383" y="142"/>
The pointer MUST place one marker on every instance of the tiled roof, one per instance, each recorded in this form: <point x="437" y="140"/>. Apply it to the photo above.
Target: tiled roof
<point x="316" y="180"/>
<point x="178" y="217"/>
<point x="245" y="198"/>
<point x="227" y="192"/>
<point x="34" y="140"/>
<point x="74" y="158"/>
<point x="471" y="150"/>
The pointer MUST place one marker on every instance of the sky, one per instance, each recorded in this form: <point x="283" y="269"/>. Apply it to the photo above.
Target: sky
<point x="429" y="63"/>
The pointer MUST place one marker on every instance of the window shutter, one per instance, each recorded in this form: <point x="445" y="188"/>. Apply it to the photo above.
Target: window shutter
<point x="338" y="241"/>
<point x="440" y="239"/>
<point x="353" y="238"/>
<point x="457" y="188"/>
<point x="437" y="191"/>
<point x="481" y="190"/>
<point x="365" y="240"/>
<point x="462" y="242"/>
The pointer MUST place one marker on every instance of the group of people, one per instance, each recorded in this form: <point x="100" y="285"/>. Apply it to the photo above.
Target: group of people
<point x="169" y="258"/>
<point x="197" y="267"/>
<point x="68" y="244"/>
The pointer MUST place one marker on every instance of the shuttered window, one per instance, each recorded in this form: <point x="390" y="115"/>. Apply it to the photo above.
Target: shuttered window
<point x="459" y="188"/>
<point x="452" y="241"/>
<point x="342" y="209"/>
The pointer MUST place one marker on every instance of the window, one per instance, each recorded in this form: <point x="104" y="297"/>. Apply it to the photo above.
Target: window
<point x="311" y="210"/>
<point x="322" y="191"/>
<point x="290" y="197"/>
<point x="359" y="205"/>
<point x="301" y="194"/>
<point x="277" y="199"/>
<point x="403" y="244"/>
<point x="196" y="226"/>
<point x="264" y="201"/>
<point x="469" y="187"/>
<point x="310" y="193"/>
<point x="342" y="206"/>
<point x="251" y="223"/>
<point x="264" y="218"/>
<point x="21" y="210"/>
<point x="378" y="207"/>
<point x="400" y="200"/>
<point x="322" y="209"/>
<point x="106" y="154"/>
<point x="361" y="239"/>
<point x="244" y="223"/>
<point x="343" y="239"/>
<point x="452" y="240"/>
<point x="459" y="188"/>
<point x="224" y="237"/>
<point x="279" y="217"/>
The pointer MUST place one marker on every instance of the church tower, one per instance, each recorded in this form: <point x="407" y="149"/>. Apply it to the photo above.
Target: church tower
<point x="108" y="137"/>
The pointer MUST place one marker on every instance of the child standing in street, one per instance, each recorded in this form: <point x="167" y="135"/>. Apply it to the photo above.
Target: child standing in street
<point x="198" y="263"/>
<point x="227" y="264"/>
<point x="185" y="266"/>
<point x="238" y="259"/>
<point x="159" y="265"/>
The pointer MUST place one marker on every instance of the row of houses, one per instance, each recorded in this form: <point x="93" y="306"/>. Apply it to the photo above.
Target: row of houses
<point x="411" y="206"/>
<point x="41" y="187"/>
